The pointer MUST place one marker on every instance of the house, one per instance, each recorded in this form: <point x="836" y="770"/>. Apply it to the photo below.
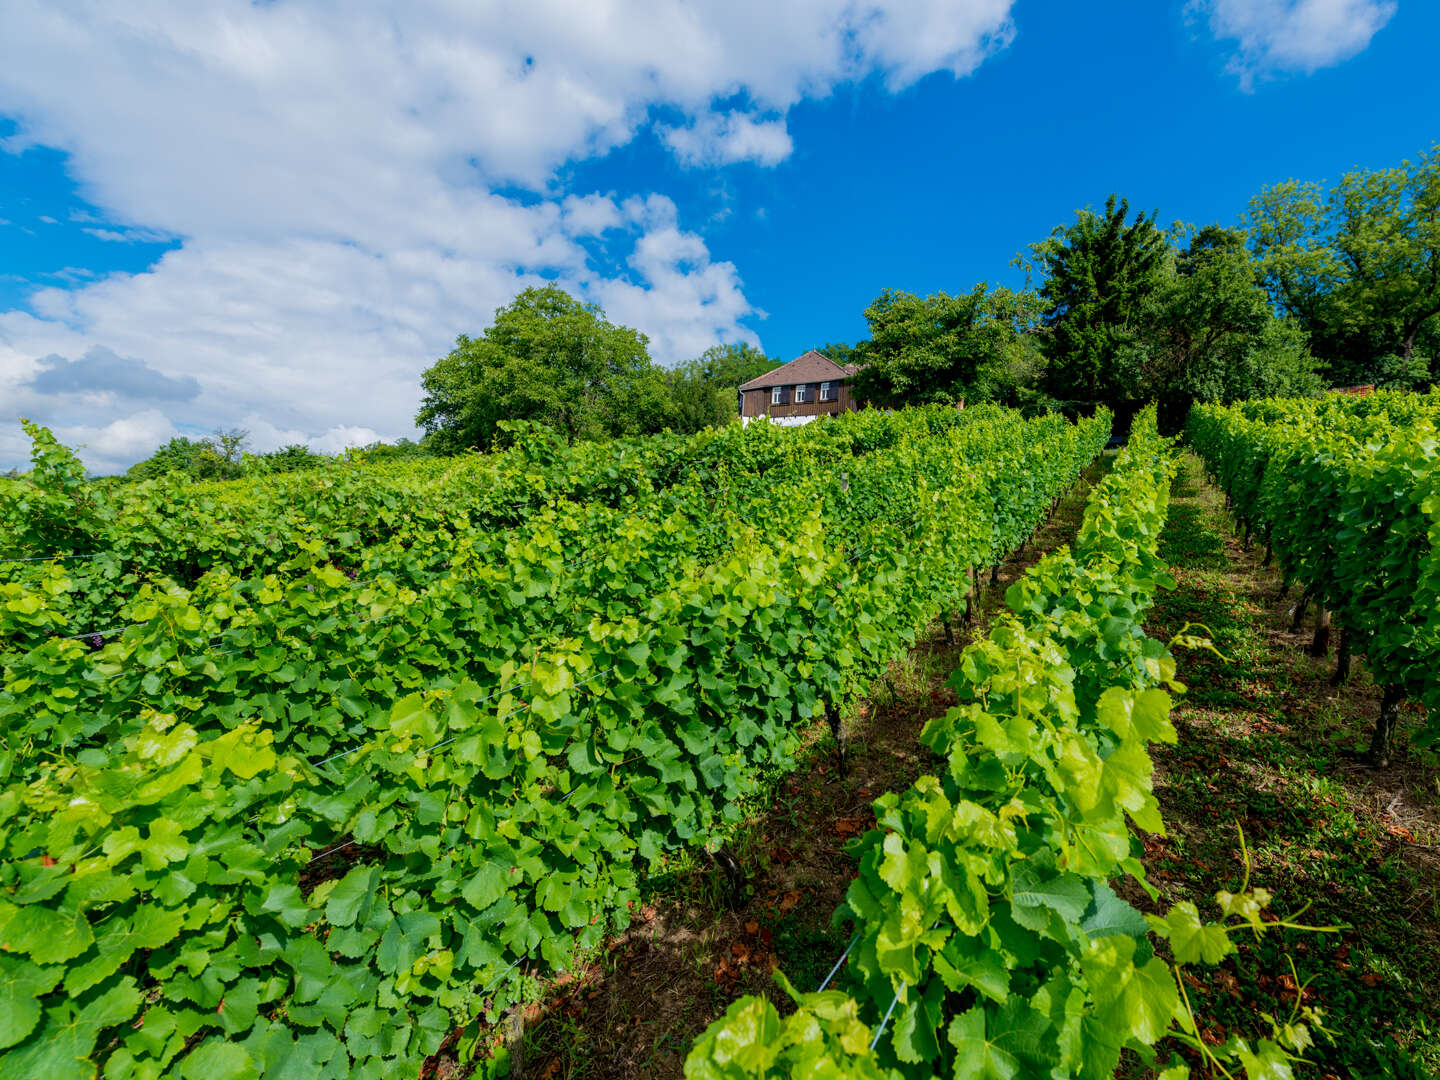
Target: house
<point x="796" y="393"/>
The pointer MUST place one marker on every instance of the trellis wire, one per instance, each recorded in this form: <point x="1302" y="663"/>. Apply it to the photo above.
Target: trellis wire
<point x="836" y="968"/>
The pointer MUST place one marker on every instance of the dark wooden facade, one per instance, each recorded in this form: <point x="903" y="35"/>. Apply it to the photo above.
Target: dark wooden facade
<point x="758" y="402"/>
<point x="791" y="393"/>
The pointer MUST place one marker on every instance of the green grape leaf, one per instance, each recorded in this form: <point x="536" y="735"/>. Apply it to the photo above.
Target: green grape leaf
<point x="352" y="897"/>
<point x="48" y="936"/>
<point x="1108" y="914"/>
<point x="485" y="886"/>
<point x="22" y="984"/>
<point x="1136" y="1002"/>
<point x="1192" y="941"/>
<point x="215" y="1059"/>
<point x="977" y="1057"/>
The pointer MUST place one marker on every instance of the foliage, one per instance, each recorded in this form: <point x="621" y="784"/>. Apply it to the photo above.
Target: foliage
<point x="941" y="349"/>
<point x="1359" y="266"/>
<point x="987" y="927"/>
<point x="399" y="450"/>
<point x="222" y="456"/>
<point x="176" y="529"/>
<point x="549" y="358"/>
<point x="52" y="505"/>
<point x="1208" y="334"/>
<point x="824" y="1036"/>
<point x="286" y="459"/>
<point x="1344" y="491"/>
<point x="704" y="392"/>
<point x="302" y="821"/>
<point x="1101" y="271"/>
<point x="177" y="455"/>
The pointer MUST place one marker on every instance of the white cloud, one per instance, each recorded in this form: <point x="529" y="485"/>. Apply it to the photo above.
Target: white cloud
<point x="129" y="236"/>
<point x="110" y="448"/>
<point x="343" y="437"/>
<point x="333" y="172"/>
<point x="725" y="138"/>
<point x="1293" y="35"/>
<point x="589" y="215"/>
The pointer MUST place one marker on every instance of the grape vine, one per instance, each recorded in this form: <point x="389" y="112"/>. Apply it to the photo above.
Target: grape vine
<point x="500" y="744"/>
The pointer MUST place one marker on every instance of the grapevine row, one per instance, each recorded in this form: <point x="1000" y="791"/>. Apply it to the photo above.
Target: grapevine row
<point x="1345" y="493"/>
<point x="114" y="536"/>
<point x="990" y="943"/>
<point x="167" y="902"/>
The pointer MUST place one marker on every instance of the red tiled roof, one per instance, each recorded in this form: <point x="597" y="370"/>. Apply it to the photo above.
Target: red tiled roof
<point x="810" y="368"/>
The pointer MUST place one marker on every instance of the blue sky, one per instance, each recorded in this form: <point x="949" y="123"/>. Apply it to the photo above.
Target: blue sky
<point x="276" y="216"/>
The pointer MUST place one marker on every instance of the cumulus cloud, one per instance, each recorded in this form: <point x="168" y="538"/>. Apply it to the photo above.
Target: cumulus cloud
<point x="112" y="447"/>
<point x="589" y="215"/>
<point x="725" y="138"/>
<point x="1293" y="35"/>
<point x="338" y="174"/>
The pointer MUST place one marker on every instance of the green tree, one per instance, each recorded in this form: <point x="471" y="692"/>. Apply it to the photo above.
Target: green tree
<point x="837" y="351"/>
<point x="177" y="455"/>
<point x="548" y="358"/>
<point x="704" y="392"/>
<point x="1208" y="332"/>
<point x="1277" y="362"/>
<point x="229" y="444"/>
<point x="939" y="348"/>
<point x="290" y="458"/>
<point x="220" y="456"/>
<point x="400" y="450"/>
<point x="1359" y="266"/>
<point x="1100" y="272"/>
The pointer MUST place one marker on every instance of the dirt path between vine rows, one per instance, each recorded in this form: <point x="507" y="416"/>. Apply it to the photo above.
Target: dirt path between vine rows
<point x="1266" y="743"/>
<point x="634" y="1012"/>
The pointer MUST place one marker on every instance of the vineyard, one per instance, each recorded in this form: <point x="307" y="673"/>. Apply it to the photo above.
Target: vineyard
<point x="1346" y="497"/>
<point x="316" y="775"/>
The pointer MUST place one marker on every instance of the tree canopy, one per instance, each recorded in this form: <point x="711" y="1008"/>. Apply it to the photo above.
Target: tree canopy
<point x="548" y="358"/>
<point x="703" y="392"/>
<point x="939" y="348"/>
<point x="222" y="456"/>
<point x="1359" y="267"/>
<point x="1316" y="287"/>
<point x="1207" y="332"/>
<point x="1101" y="270"/>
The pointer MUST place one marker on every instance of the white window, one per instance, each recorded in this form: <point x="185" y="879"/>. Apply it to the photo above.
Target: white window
<point x="825" y="394"/>
<point x="776" y="395"/>
<point x="800" y="392"/>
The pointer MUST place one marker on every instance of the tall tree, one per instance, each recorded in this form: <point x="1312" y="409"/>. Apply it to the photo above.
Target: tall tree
<point x="938" y="348"/>
<point x="1206" y="333"/>
<point x="1100" y="271"/>
<point x="178" y="455"/>
<point x="1359" y="266"/>
<point x="703" y="392"/>
<point x="547" y="357"/>
<point x="220" y="456"/>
